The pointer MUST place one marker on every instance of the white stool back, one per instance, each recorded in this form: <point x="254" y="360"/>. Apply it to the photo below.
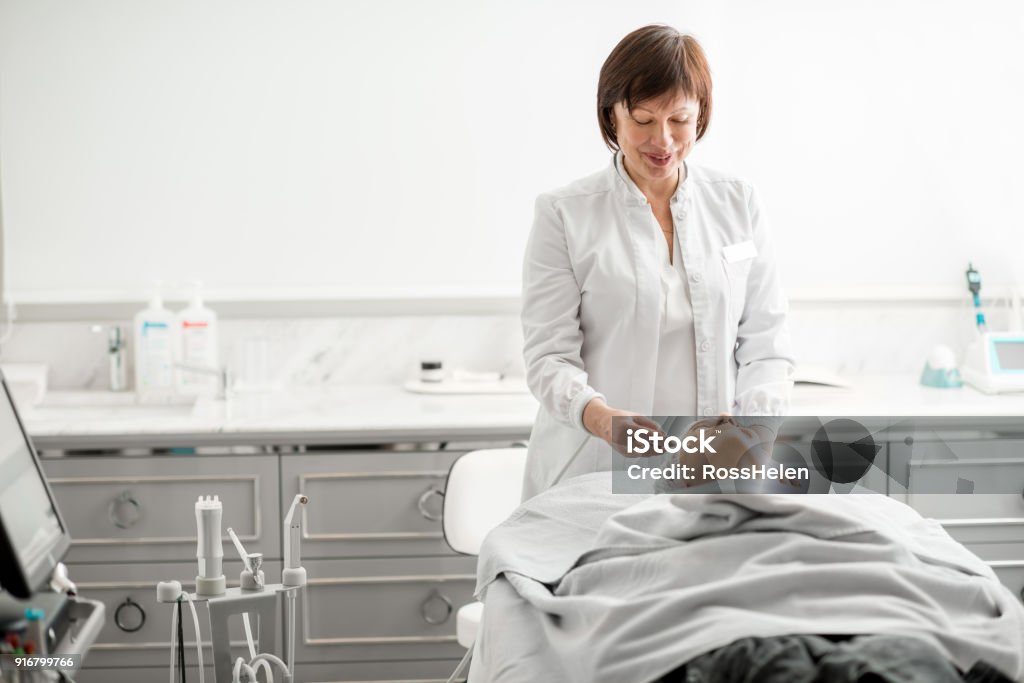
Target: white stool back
<point x="484" y="487"/>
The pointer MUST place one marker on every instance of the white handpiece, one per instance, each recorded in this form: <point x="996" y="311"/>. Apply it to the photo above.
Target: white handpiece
<point x="294" y="574"/>
<point x="251" y="577"/>
<point x="209" y="550"/>
<point x="238" y="546"/>
<point x="60" y="582"/>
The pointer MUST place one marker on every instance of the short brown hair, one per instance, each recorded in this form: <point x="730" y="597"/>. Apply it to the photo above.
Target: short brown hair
<point x="648" y="63"/>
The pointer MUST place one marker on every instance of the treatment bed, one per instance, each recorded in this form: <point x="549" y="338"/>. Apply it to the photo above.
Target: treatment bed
<point x="581" y="585"/>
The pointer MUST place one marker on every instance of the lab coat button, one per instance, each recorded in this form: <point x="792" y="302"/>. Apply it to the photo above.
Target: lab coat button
<point x="696" y="277"/>
<point x="707" y="412"/>
<point x="705" y="345"/>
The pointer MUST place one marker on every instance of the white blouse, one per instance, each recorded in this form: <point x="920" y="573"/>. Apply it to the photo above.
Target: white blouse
<point x="675" y="383"/>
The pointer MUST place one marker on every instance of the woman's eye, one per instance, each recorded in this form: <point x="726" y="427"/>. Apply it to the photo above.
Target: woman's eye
<point x="642" y="123"/>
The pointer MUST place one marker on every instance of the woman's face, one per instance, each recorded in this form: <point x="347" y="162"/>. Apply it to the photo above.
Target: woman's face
<point x="656" y="136"/>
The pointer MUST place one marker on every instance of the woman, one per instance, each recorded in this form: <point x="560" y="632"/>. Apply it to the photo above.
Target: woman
<point x="649" y="288"/>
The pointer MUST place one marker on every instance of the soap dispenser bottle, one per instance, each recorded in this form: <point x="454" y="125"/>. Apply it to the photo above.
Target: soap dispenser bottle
<point x="199" y="370"/>
<point x="155" y="344"/>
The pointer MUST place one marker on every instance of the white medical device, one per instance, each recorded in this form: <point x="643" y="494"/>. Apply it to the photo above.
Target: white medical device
<point x="294" y="573"/>
<point x="209" y="552"/>
<point x="994" y="362"/>
<point x="253" y="598"/>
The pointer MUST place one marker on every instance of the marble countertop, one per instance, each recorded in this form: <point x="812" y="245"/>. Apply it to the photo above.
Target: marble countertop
<point x="902" y="396"/>
<point x="358" y="414"/>
<point x="384" y="413"/>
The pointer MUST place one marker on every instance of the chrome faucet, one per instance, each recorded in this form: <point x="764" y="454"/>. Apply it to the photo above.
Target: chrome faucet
<point x="116" y="355"/>
<point x="221" y="372"/>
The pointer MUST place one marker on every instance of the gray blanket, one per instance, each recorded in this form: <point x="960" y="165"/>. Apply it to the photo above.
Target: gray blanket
<point x="581" y="585"/>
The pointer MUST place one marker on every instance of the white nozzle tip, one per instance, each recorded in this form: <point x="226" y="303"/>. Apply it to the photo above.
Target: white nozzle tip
<point x="208" y="503"/>
<point x="168" y="591"/>
<point x="292" y="577"/>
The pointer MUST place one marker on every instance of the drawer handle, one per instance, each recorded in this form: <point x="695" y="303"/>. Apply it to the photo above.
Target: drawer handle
<point x="424" y="499"/>
<point x="436" y="599"/>
<point x="119" y="616"/>
<point x="114" y="511"/>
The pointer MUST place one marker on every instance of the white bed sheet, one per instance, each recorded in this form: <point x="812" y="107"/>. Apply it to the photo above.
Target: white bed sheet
<point x="582" y="585"/>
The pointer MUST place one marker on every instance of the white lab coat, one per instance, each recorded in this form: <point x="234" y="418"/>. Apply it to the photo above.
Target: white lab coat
<point x="592" y="303"/>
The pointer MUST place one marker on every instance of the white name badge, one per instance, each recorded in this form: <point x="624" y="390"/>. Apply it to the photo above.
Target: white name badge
<point x="739" y="251"/>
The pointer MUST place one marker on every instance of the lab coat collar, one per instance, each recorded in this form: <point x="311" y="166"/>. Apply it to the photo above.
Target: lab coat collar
<point x="632" y="193"/>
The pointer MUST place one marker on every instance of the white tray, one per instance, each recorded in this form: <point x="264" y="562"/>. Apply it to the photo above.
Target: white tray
<point x="514" y="385"/>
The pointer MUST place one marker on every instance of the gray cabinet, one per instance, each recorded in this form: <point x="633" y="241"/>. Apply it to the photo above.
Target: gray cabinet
<point x="141" y="508"/>
<point x="370" y="503"/>
<point x="427" y="671"/>
<point x="374" y="548"/>
<point x="137" y="628"/>
<point x="383" y="585"/>
<point x="383" y="609"/>
<point x="435" y="671"/>
<point x="931" y="468"/>
<point x="149" y="674"/>
<point x="383" y="588"/>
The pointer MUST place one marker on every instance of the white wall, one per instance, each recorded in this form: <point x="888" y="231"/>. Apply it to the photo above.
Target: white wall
<point x="377" y="146"/>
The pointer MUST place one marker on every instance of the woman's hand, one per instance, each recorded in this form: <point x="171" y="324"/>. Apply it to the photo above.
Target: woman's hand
<point x="598" y="419"/>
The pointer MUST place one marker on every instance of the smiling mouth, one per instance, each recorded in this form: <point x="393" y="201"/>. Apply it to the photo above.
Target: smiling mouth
<point x="659" y="159"/>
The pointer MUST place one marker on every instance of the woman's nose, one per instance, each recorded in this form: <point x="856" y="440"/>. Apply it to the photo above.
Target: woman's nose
<point x="663" y="135"/>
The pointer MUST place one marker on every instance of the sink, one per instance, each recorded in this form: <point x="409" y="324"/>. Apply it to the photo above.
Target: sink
<point x="99" y="405"/>
<point x="110" y="406"/>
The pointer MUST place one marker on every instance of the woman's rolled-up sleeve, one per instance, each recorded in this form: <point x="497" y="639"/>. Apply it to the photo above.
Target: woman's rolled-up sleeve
<point x="763" y="353"/>
<point x="552" y="335"/>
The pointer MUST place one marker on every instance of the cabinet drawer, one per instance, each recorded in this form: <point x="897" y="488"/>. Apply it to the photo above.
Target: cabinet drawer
<point x="934" y="471"/>
<point x="998" y="552"/>
<point x="133" y="586"/>
<point x="370" y="504"/>
<point x="387" y="609"/>
<point x="143" y="508"/>
<point x="434" y="671"/>
<point x="138" y="675"/>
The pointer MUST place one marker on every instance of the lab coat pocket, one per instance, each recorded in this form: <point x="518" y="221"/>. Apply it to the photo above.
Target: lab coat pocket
<point x="736" y="261"/>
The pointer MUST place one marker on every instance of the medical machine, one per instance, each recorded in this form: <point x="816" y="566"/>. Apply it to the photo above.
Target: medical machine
<point x="974" y="286"/>
<point x="254" y="597"/>
<point x="995" y="362"/>
<point x="39" y="607"/>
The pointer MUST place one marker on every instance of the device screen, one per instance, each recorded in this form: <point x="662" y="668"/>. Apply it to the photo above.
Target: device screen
<point x="1010" y="354"/>
<point x="32" y="524"/>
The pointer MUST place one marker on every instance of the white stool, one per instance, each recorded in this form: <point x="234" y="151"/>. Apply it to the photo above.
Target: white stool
<point x="484" y="488"/>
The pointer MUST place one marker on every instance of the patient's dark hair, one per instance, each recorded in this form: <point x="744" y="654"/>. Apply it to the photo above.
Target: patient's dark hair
<point x="650" y="62"/>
